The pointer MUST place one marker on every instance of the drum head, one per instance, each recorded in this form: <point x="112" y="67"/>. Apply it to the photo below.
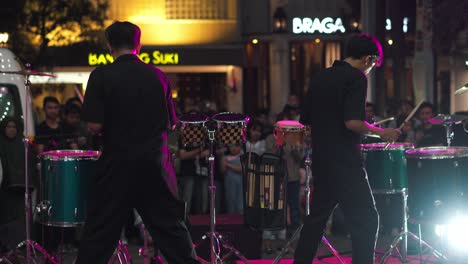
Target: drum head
<point x="437" y="153"/>
<point x="69" y="154"/>
<point x="228" y="117"/>
<point x="193" y="118"/>
<point x="391" y="146"/>
<point x="289" y="125"/>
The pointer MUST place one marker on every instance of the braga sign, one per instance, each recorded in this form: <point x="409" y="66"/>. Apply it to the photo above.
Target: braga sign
<point x="327" y="25"/>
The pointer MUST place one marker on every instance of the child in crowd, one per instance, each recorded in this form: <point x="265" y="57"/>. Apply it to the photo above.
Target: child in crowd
<point x="232" y="170"/>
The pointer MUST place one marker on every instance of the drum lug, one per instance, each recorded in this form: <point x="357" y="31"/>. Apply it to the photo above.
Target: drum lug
<point x="419" y="164"/>
<point x="43" y="206"/>
<point x="76" y="212"/>
<point x="455" y="164"/>
<point x="76" y="169"/>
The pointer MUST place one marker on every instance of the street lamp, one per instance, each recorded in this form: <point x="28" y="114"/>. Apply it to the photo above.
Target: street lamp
<point x="280" y="20"/>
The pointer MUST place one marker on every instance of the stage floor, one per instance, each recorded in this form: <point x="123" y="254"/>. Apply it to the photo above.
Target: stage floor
<point x="342" y="243"/>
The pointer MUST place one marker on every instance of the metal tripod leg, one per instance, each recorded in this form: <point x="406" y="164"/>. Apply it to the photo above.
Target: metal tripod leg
<point x="405" y="235"/>
<point x="295" y="236"/>
<point x="121" y="254"/>
<point x="220" y="242"/>
<point x="32" y="247"/>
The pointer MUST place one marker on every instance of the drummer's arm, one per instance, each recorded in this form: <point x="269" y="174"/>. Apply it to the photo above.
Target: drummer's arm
<point x="362" y="127"/>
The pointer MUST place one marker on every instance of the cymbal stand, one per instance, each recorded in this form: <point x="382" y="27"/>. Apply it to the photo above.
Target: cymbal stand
<point x="449" y="132"/>
<point x="403" y="237"/>
<point x="30" y="245"/>
<point x="217" y="241"/>
<point x="296" y="234"/>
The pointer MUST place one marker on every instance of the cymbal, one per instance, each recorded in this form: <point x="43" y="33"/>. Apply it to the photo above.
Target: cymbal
<point x="463" y="89"/>
<point x="29" y="73"/>
<point x="442" y="119"/>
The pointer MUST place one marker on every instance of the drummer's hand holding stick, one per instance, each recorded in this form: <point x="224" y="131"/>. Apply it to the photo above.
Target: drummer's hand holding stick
<point x="363" y="127"/>
<point x="408" y="118"/>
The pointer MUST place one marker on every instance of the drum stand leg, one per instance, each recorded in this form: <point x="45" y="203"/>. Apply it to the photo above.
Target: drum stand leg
<point x="121" y="254"/>
<point x="296" y="234"/>
<point x="217" y="241"/>
<point x="144" y="251"/>
<point x="403" y="238"/>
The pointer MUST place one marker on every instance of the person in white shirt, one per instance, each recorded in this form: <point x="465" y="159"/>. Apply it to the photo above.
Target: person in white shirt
<point x="254" y="142"/>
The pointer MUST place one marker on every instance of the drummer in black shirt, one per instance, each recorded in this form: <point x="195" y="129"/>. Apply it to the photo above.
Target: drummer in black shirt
<point x="130" y="103"/>
<point x="339" y="176"/>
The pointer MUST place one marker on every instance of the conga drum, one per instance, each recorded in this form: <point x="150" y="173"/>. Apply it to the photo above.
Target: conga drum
<point x="64" y="185"/>
<point x="231" y="128"/>
<point x="437" y="182"/>
<point x="289" y="132"/>
<point x="192" y="129"/>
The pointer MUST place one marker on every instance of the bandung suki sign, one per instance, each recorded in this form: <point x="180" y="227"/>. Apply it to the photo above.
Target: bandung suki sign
<point x="309" y="25"/>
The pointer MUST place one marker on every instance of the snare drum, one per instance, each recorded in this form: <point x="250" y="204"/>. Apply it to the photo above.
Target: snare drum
<point x="231" y="128"/>
<point x="193" y="132"/>
<point x="437" y="182"/>
<point x="64" y="181"/>
<point x="386" y="167"/>
<point x="289" y="132"/>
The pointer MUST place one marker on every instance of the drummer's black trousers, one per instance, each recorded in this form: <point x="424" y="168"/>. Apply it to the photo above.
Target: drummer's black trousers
<point x="120" y="186"/>
<point x="348" y="186"/>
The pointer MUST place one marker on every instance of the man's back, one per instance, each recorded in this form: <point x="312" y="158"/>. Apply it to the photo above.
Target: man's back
<point x="333" y="96"/>
<point x="134" y="114"/>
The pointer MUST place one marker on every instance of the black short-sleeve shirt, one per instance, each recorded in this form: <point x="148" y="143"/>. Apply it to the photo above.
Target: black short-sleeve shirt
<point x="51" y="138"/>
<point x="336" y="94"/>
<point x="133" y="102"/>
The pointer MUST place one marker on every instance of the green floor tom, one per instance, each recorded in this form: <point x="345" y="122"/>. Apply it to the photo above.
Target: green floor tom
<point x="64" y="185"/>
<point x="386" y="165"/>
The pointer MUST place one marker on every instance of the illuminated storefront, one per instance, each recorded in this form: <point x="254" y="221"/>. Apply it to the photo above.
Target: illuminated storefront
<point x="211" y="73"/>
<point x="292" y="57"/>
<point x="196" y="42"/>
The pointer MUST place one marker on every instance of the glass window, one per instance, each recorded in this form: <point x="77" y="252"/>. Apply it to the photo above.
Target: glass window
<point x="196" y="9"/>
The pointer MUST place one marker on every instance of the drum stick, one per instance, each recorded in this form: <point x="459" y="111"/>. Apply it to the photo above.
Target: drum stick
<point x="250" y="154"/>
<point x="407" y="119"/>
<point x="251" y="183"/>
<point x="271" y="187"/>
<point x="78" y="93"/>
<point x="383" y="121"/>
<point x="411" y="114"/>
